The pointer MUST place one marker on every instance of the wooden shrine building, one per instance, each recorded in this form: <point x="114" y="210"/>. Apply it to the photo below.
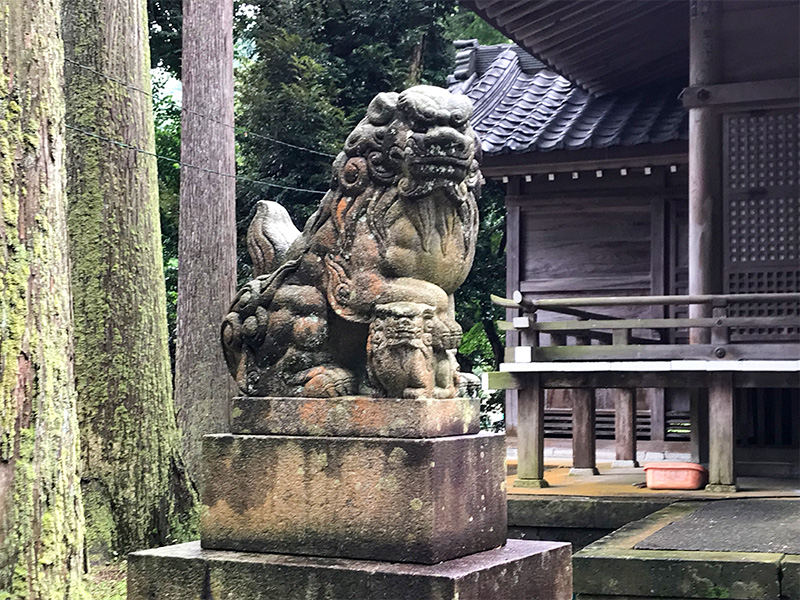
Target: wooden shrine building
<point x="650" y="155"/>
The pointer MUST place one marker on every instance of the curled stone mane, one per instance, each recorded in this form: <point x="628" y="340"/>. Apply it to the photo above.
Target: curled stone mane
<point x="398" y="224"/>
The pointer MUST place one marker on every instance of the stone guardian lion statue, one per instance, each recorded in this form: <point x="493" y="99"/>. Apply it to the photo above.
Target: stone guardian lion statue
<point x="361" y="302"/>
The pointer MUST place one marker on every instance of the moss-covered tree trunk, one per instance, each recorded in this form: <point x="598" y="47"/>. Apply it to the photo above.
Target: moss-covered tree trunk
<point x="41" y="517"/>
<point x="207" y="229"/>
<point x="136" y="491"/>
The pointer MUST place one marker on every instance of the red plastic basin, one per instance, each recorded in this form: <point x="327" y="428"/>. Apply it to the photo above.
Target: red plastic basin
<point x="675" y="476"/>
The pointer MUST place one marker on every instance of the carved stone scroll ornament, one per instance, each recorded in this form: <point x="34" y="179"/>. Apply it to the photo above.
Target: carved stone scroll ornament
<point x="362" y="301"/>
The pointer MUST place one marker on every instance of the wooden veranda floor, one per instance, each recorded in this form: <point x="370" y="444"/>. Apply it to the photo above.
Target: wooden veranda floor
<point x="619" y="482"/>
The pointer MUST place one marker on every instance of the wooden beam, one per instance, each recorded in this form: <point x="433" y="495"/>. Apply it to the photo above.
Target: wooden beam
<point x="625" y="427"/>
<point x="721" y="323"/>
<point x="785" y="351"/>
<point x="721" y="434"/>
<point x="748" y="92"/>
<point x="501" y="380"/>
<point x="648" y="379"/>
<point x="550" y="303"/>
<point x="589" y="159"/>
<point x="530" y="436"/>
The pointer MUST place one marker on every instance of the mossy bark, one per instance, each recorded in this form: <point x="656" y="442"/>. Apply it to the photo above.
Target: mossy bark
<point x="41" y="515"/>
<point x="207" y="229"/>
<point x="135" y="486"/>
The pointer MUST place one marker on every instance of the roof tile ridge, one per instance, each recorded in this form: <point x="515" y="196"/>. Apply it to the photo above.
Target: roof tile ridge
<point x="625" y="115"/>
<point x="637" y="130"/>
<point x="554" y="115"/>
<point x="669" y="124"/>
<point x="504" y="80"/>
<point x="592" y="102"/>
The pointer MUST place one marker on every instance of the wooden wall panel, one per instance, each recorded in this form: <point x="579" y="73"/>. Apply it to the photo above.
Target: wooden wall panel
<point x="582" y="242"/>
<point x="760" y="40"/>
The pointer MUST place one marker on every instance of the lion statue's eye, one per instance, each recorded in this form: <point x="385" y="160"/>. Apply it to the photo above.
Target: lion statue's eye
<point x="458" y="119"/>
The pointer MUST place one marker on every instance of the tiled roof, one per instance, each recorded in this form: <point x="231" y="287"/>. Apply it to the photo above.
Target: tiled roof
<point x="522" y="107"/>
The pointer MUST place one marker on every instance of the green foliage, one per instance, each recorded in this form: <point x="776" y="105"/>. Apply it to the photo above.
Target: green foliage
<point x="166" y="27"/>
<point x="466" y="25"/>
<point x="167" y="117"/>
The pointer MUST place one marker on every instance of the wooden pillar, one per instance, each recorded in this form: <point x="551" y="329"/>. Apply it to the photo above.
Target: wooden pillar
<point x="583" y="426"/>
<point x="705" y="163"/>
<point x="656" y="401"/>
<point x="512" y="285"/>
<point x="698" y="416"/>
<point x="530" y="435"/>
<point x="625" y="428"/>
<point x="583" y="432"/>
<point x="721" y="434"/>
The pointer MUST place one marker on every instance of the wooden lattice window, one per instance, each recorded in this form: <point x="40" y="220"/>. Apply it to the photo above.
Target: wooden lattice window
<point x="762" y="214"/>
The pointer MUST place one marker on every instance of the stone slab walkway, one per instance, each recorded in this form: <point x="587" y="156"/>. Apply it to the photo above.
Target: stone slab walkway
<point x="747" y="525"/>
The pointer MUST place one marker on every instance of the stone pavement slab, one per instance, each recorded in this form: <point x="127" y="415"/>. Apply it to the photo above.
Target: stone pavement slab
<point x="617" y="567"/>
<point x="747" y="525"/>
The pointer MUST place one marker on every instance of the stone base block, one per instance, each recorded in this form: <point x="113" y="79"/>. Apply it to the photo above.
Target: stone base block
<point x="423" y="500"/>
<point x="531" y="483"/>
<point x="520" y="569"/>
<point x="355" y="416"/>
<point x="584" y="471"/>
<point x="624" y="464"/>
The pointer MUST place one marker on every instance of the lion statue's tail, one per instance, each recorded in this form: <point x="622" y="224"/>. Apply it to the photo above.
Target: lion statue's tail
<point x="269" y="236"/>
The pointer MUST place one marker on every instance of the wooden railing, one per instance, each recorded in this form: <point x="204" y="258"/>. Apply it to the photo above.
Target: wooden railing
<point x="600" y="337"/>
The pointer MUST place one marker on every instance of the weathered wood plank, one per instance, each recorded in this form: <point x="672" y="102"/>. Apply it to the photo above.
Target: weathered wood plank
<point x="589" y="285"/>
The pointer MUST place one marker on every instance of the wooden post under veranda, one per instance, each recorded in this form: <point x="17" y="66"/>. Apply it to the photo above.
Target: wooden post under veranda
<point x="705" y="218"/>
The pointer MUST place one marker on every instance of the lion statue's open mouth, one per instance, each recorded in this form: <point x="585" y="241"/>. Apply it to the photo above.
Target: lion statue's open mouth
<point x="378" y="262"/>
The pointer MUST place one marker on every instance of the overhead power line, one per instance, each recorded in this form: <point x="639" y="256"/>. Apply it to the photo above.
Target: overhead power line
<point x="190" y="166"/>
<point x="236" y="128"/>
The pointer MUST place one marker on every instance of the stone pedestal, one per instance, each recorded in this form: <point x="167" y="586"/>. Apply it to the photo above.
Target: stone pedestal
<point x="520" y="569"/>
<point x="353" y="498"/>
<point x="397" y="499"/>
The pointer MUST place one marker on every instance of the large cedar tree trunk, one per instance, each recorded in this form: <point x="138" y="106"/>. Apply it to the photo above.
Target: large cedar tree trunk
<point x="207" y="229"/>
<point x="136" y="491"/>
<point x="41" y="516"/>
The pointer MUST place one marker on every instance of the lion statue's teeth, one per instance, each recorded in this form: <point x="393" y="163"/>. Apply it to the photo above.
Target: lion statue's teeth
<point x="362" y="301"/>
